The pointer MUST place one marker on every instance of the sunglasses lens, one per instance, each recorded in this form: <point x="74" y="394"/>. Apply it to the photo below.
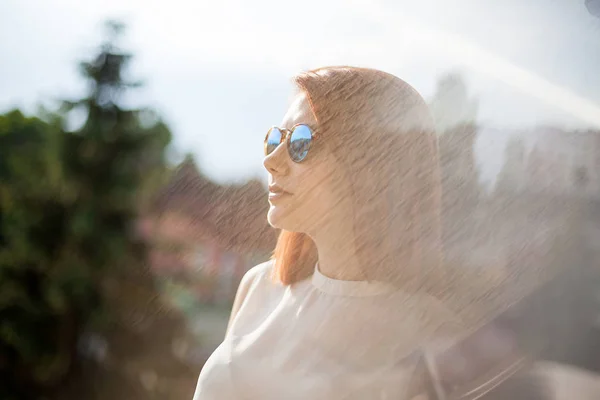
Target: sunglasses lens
<point x="300" y="142"/>
<point x="273" y="140"/>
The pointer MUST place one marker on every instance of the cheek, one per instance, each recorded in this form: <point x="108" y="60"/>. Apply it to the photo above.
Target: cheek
<point x="309" y="180"/>
<point x="319" y="190"/>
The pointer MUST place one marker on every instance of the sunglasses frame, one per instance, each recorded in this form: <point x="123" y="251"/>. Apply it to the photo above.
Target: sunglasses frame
<point x="287" y="134"/>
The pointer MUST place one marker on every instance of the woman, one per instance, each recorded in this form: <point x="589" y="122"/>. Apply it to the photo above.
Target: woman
<point x="354" y="187"/>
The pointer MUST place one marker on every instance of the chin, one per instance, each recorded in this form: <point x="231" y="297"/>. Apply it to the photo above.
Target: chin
<point x="276" y="217"/>
<point x="280" y="218"/>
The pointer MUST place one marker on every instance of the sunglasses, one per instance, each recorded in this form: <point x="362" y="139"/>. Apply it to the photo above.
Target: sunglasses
<point x="298" y="139"/>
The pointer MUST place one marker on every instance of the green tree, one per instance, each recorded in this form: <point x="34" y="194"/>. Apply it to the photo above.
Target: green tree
<point x="71" y="262"/>
<point x="36" y="295"/>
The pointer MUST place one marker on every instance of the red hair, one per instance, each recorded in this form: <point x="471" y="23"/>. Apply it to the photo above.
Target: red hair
<point x="380" y="130"/>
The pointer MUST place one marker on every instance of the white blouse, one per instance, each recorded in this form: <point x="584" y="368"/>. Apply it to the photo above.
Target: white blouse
<point x="320" y="339"/>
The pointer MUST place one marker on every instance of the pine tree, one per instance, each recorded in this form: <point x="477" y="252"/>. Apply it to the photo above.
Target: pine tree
<point x="119" y="154"/>
<point x="74" y="287"/>
<point x="36" y="318"/>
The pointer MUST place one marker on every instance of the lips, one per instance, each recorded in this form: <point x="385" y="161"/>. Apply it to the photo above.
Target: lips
<point x="276" y="189"/>
<point x="277" y="192"/>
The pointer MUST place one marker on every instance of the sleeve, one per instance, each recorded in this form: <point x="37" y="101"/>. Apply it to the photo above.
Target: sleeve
<point x="487" y="361"/>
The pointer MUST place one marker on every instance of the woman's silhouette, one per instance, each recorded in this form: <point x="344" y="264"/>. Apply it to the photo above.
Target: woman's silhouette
<point x="349" y="307"/>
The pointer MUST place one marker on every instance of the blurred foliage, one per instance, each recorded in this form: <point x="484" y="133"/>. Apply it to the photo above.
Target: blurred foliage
<point x="68" y="204"/>
<point x="39" y="293"/>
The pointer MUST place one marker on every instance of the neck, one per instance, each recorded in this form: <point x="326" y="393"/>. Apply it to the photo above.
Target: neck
<point x="337" y="255"/>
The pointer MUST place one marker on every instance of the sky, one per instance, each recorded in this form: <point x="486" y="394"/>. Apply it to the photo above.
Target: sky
<point x="219" y="72"/>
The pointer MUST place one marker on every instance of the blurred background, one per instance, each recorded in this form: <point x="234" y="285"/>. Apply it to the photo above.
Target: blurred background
<point x="132" y="193"/>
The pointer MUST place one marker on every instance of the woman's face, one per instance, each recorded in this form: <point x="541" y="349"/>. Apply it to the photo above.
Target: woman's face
<point x="315" y="192"/>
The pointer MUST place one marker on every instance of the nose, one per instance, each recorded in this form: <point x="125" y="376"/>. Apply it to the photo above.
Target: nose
<point x="277" y="161"/>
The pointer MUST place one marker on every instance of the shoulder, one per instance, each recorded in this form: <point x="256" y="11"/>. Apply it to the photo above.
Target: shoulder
<point x="430" y="309"/>
<point x="445" y="314"/>
<point x="251" y="294"/>
<point x="439" y="326"/>
<point x="450" y="326"/>
<point x="257" y="274"/>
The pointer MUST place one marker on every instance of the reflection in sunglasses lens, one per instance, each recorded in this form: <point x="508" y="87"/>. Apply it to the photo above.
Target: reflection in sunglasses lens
<point x="273" y="140"/>
<point x="300" y="142"/>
